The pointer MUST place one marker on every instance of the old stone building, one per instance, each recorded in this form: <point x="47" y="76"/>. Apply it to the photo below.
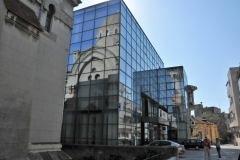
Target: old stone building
<point x="221" y="119"/>
<point x="201" y="128"/>
<point x="34" y="42"/>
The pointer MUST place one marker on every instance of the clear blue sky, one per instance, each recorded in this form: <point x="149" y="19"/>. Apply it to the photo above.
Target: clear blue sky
<point x="201" y="35"/>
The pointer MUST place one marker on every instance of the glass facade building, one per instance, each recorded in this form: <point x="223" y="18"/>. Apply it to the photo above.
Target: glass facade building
<point x="117" y="89"/>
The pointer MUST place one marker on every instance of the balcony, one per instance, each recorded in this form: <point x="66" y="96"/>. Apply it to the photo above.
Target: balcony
<point x="228" y="93"/>
<point x="232" y="124"/>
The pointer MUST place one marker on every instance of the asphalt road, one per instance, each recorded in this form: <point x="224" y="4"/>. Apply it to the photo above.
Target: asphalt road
<point x="228" y="152"/>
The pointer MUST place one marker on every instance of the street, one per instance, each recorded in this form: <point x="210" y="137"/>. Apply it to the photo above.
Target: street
<point x="228" y="152"/>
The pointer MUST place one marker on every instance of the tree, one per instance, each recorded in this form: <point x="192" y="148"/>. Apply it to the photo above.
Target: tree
<point x="219" y="120"/>
<point x="211" y="117"/>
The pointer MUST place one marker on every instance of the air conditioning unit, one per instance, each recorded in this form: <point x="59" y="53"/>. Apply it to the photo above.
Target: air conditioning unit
<point x="164" y="129"/>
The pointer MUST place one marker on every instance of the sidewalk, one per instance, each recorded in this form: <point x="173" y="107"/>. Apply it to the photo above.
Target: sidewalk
<point x="231" y="151"/>
<point x="228" y="152"/>
<point x="214" y="154"/>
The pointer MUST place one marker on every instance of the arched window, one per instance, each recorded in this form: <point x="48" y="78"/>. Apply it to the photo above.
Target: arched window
<point x="93" y="69"/>
<point x="116" y="31"/>
<point x="49" y="17"/>
<point x="100" y="35"/>
<point x="89" y="78"/>
<point x="107" y="32"/>
<point x="97" y="76"/>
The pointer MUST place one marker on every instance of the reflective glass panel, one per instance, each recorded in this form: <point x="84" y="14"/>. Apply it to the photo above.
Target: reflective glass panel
<point x="78" y="19"/>
<point x="77" y="28"/>
<point x="113" y="19"/>
<point x="88" y="25"/>
<point x="123" y="11"/>
<point x="113" y="2"/>
<point x="101" y="12"/>
<point x="129" y="19"/>
<point x="100" y="22"/>
<point x="123" y="42"/>
<point x="90" y="9"/>
<point x="129" y="29"/>
<point x="122" y="77"/>
<point x="123" y="31"/>
<point x="129" y="58"/>
<point x="76" y="38"/>
<point x="89" y="16"/>
<point x="123" y="53"/>
<point x="123" y="22"/>
<point x="129" y="70"/>
<point x="101" y="5"/>
<point x="128" y="81"/>
<point x="122" y="64"/>
<point x="112" y="51"/>
<point x="78" y="12"/>
<point x="113" y="9"/>
<point x="87" y="35"/>
<point x="86" y="45"/>
<point x="74" y="47"/>
<point x="100" y="32"/>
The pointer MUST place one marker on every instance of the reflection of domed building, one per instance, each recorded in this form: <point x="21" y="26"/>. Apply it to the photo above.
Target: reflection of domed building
<point x="103" y="55"/>
<point x="92" y="85"/>
<point x="112" y="29"/>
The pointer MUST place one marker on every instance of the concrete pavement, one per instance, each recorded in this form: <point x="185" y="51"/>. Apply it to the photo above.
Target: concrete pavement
<point x="228" y="152"/>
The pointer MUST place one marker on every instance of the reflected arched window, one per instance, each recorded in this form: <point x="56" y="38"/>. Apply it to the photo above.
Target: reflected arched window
<point x="97" y="76"/>
<point x="49" y="17"/>
<point x="107" y="32"/>
<point x="93" y="69"/>
<point x="100" y="35"/>
<point x="116" y="31"/>
<point x="89" y="78"/>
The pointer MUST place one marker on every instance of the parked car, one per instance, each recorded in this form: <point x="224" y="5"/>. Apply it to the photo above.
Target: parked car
<point x="193" y="143"/>
<point x="181" y="148"/>
<point x="124" y="141"/>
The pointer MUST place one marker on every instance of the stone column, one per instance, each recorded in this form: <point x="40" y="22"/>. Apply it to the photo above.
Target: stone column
<point x="190" y="101"/>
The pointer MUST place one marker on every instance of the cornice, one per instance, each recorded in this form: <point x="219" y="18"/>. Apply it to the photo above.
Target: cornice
<point x="74" y="3"/>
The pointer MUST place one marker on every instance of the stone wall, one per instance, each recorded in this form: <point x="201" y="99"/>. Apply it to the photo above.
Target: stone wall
<point x="128" y="152"/>
<point x="18" y="51"/>
<point x="32" y="80"/>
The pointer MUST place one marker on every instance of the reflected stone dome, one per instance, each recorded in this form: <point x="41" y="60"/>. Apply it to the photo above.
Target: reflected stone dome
<point x="112" y="28"/>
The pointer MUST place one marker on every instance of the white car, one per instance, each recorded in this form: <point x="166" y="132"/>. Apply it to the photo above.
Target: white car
<point x="181" y="148"/>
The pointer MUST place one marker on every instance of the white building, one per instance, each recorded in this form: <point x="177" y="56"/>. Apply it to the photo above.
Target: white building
<point x="233" y="95"/>
<point x="34" y="41"/>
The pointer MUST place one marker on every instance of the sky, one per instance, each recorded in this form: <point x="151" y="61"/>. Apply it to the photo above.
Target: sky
<point x="201" y="35"/>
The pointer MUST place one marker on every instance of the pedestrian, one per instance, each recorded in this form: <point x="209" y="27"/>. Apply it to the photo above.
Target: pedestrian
<point x="218" y="147"/>
<point x="206" y="146"/>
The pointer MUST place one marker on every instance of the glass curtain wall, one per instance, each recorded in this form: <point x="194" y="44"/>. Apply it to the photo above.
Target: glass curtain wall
<point x="91" y="93"/>
<point x="114" y="78"/>
<point x="177" y="101"/>
<point x="137" y="58"/>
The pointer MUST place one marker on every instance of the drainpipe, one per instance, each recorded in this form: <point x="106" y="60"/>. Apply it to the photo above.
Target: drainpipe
<point x="41" y="9"/>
